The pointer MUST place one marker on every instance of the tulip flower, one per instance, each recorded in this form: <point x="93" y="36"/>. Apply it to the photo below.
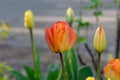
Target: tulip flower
<point x="90" y="78"/>
<point x="69" y="15"/>
<point x="28" y="19"/>
<point x="112" y="69"/>
<point x="99" y="42"/>
<point x="29" y="24"/>
<point x="59" y="37"/>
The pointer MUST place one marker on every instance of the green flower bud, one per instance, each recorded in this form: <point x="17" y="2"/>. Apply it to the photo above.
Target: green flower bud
<point x="69" y="15"/>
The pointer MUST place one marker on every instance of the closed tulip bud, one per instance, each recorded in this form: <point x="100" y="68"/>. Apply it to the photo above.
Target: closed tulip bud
<point x="90" y="78"/>
<point x="108" y="79"/>
<point x="99" y="41"/>
<point x="59" y="37"/>
<point x="28" y="19"/>
<point x="69" y="15"/>
<point x="112" y="69"/>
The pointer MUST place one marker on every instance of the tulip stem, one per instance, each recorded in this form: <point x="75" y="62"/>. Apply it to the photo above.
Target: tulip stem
<point x="34" y="55"/>
<point x="70" y="23"/>
<point x="63" y="68"/>
<point x="99" y="64"/>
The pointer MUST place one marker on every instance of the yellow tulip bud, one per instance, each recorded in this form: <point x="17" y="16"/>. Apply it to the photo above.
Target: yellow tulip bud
<point x="69" y="15"/>
<point x="99" y="41"/>
<point x="90" y="78"/>
<point x="28" y="19"/>
<point x="108" y="79"/>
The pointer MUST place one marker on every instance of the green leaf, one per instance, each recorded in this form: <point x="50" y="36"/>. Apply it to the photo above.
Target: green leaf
<point x="60" y="77"/>
<point x="92" y="7"/>
<point x="95" y="2"/>
<point x="71" y="64"/>
<point x="37" y="57"/>
<point x="4" y="77"/>
<point x="29" y="72"/>
<point x="42" y="77"/>
<point x="18" y="75"/>
<point x="97" y="13"/>
<point x="68" y="65"/>
<point x="81" y="40"/>
<point x="5" y="67"/>
<point x="53" y="72"/>
<point x="117" y="2"/>
<point x="80" y="23"/>
<point x="4" y="70"/>
<point x="87" y="24"/>
<point x="85" y="72"/>
<point x="74" y="62"/>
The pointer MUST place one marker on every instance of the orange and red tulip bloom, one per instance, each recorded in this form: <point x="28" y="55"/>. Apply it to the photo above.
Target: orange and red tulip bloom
<point x="112" y="69"/>
<point x="59" y="37"/>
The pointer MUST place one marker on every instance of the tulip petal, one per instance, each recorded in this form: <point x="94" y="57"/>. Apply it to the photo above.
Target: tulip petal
<point x="28" y="19"/>
<point x="99" y="42"/>
<point x="59" y="37"/>
<point x="65" y="43"/>
<point x="49" y="39"/>
<point x="112" y="69"/>
<point x="71" y="37"/>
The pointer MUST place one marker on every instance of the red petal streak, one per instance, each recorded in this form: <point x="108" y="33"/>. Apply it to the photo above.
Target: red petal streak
<point x="49" y="38"/>
<point x="60" y="36"/>
<point x="100" y="30"/>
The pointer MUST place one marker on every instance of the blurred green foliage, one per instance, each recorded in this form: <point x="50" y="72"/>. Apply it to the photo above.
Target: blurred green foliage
<point x="4" y="29"/>
<point x="4" y="70"/>
<point x="117" y="2"/>
<point x="30" y="73"/>
<point x="73" y="72"/>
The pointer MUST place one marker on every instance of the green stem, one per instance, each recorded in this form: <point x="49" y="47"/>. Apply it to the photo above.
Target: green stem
<point x="34" y="55"/>
<point x="63" y="68"/>
<point x="97" y="21"/>
<point x="70" y="23"/>
<point x="99" y="64"/>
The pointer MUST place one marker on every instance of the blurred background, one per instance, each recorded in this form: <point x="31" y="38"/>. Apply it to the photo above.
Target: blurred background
<point x="15" y="50"/>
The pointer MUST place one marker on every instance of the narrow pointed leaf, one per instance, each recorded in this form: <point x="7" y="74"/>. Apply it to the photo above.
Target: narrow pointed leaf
<point x="53" y="72"/>
<point x="18" y="75"/>
<point x="38" y="62"/>
<point x="85" y="72"/>
<point x="74" y="64"/>
<point x="68" y="65"/>
<point x="29" y="72"/>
